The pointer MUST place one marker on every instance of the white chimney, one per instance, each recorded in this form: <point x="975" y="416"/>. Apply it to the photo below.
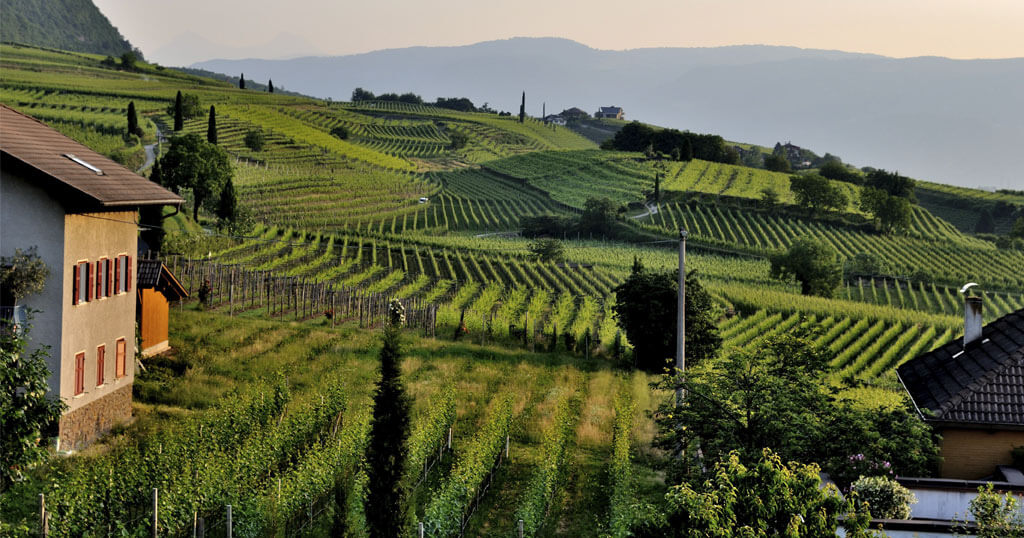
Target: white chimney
<point x="972" y="320"/>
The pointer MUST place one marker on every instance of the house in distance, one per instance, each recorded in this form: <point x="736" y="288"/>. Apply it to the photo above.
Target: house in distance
<point x="611" y="112"/>
<point x="80" y="210"/>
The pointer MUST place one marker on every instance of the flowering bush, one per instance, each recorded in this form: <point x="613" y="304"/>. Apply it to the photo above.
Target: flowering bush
<point x="885" y="497"/>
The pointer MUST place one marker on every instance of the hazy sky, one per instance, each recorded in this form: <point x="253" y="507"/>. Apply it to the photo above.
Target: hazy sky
<point x="952" y="28"/>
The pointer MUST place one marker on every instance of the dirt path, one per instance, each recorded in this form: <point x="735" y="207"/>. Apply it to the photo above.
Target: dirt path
<point x="151" y="151"/>
<point x="652" y="209"/>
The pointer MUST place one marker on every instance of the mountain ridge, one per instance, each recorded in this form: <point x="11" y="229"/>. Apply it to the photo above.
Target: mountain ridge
<point x="910" y="114"/>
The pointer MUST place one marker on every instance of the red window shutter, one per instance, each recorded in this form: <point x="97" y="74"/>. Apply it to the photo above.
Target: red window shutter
<point x="79" y="373"/>
<point x="128" y="273"/>
<point x="74" y="284"/>
<point x="119" y="366"/>
<point x="99" y="278"/>
<point x="100" y="357"/>
<point x="89" y="280"/>
<point x="117" y="275"/>
<point x="110" y="278"/>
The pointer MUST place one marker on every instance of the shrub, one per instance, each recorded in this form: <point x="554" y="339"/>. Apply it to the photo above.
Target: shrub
<point x="885" y="497"/>
<point x="254" y="140"/>
<point x="341" y="132"/>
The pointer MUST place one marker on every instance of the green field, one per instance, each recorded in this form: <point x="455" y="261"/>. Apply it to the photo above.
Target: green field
<point x="537" y="361"/>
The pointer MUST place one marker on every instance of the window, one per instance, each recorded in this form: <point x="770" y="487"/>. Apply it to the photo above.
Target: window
<point x="124" y="273"/>
<point x="79" y="373"/>
<point x="99" y="279"/>
<point x="101" y="352"/>
<point x="120" y="358"/>
<point x="81" y="292"/>
<point x="109" y="272"/>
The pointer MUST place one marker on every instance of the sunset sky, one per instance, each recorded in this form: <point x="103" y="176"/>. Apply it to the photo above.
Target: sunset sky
<point x="902" y="28"/>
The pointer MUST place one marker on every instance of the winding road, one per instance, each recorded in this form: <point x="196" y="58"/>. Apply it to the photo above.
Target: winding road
<point x="151" y="151"/>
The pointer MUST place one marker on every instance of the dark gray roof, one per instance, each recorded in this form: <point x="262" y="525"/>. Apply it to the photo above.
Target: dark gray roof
<point x="148" y="273"/>
<point x="611" y="109"/>
<point x="982" y="385"/>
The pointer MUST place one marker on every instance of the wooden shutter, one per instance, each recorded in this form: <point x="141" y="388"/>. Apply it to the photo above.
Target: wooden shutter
<point x="79" y="373"/>
<point x="99" y="278"/>
<point x="117" y="275"/>
<point x="120" y="358"/>
<point x="110" y="278"/>
<point x="74" y="284"/>
<point x="128" y="273"/>
<point x="101" y="351"/>
<point x="89" y="280"/>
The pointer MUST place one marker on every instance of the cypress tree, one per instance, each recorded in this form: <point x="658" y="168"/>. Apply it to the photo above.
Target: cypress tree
<point x="241" y="82"/>
<point x="156" y="175"/>
<point x="385" y="454"/>
<point x="522" y="109"/>
<point x="151" y="216"/>
<point x="211" y="127"/>
<point x="179" y="114"/>
<point x="270" y="86"/>
<point x="133" y="119"/>
<point x="227" y="207"/>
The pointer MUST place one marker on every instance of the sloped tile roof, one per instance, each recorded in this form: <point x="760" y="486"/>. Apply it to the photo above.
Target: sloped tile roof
<point x="982" y="385"/>
<point x="42" y="153"/>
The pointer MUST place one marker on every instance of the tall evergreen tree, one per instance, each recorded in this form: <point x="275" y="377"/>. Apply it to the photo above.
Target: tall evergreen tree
<point x="241" y="82"/>
<point x="133" y="119"/>
<point x="385" y="455"/>
<point x="522" y="109"/>
<point x="179" y="113"/>
<point x="227" y="207"/>
<point x="211" y="127"/>
<point x="156" y="174"/>
<point x="270" y="86"/>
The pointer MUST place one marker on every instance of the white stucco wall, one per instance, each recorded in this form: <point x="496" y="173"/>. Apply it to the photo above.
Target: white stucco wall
<point x="30" y="217"/>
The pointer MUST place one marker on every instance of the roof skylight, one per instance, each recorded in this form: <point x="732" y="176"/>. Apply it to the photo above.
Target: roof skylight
<point x="83" y="163"/>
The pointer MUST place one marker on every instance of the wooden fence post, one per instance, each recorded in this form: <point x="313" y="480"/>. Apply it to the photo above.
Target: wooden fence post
<point x="44" y="524"/>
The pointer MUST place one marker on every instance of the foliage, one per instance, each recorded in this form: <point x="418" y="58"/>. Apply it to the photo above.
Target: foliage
<point x="885" y="498"/>
<point x="340" y="131"/>
<point x="636" y="136"/>
<point x="545" y="225"/>
<point x="997" y="516"/>
<point x="646" y="307"/>
<point x="835" y="169"/>
<point x="767" y="498"/>
<point x="192" y="163"/>
<point x="387" y="449"/>
<point x="23" y="274"/>
<point x="599" y="216"/>
<point x="621" y="516"/>
<point x="270" y="86"/>
<point x="813" y="264"/>
<point x="461" y="104"/>
<point x="986" y="223"/>
<point x="227" y="204"/>
<point x="459" y="139"/>
<point x="211" y="127"/>
<point x="777" y="163"/>
<point x="816" y="192"/>
<point x="255" y="140"/>
<point x="133" y="120"/>
<point x="25" y="410"/>
<point x="868" y="264"/>
<point x="888" y="212"/>
<point x="447" y="508"/>
<point x="1018" y="228"/>
<point x="551" y="471"/>
<point x="892" y="183"/>
<point x="241" y="82"/>
<point x="548" y="250"/>
<point x="73" y="25"/>
<point x="186" y="106"/>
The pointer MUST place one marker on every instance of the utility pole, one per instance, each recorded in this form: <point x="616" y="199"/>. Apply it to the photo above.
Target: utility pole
<point x="681" y="317"/>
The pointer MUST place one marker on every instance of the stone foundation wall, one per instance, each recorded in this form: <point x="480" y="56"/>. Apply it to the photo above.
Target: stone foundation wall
<point x="85" y="424"/>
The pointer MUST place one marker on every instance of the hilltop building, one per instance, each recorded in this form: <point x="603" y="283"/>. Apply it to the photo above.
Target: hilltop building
<point x="612" y="112"/>
<point x="79" y="209"/>
<point x="554" y="119"/>
<point x="972" y="392"/>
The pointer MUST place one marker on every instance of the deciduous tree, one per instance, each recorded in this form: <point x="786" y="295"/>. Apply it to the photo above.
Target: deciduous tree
<point x="815" y="265"/>
<point x="646" y="307"/>
<point x="889" y="213"/>
<point x="548" y="250"/>
<point x="194" y="164"/>
<point x="815" y="193"/>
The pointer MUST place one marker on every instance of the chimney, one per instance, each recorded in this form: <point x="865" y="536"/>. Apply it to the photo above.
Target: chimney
<point x="972" y="320"/>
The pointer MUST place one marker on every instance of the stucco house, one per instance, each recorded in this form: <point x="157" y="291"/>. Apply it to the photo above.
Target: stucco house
<point x="972" y="392"/>
<point x="612" y="112"/>
<point x="80" y="209"/>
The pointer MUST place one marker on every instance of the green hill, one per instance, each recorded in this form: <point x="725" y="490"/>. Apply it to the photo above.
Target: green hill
<point x="75" y="25"/>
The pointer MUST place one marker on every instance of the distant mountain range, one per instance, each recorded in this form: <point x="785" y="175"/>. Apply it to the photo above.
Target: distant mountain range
<point x="952" y="121"/>
<point x="76" y="25"/>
